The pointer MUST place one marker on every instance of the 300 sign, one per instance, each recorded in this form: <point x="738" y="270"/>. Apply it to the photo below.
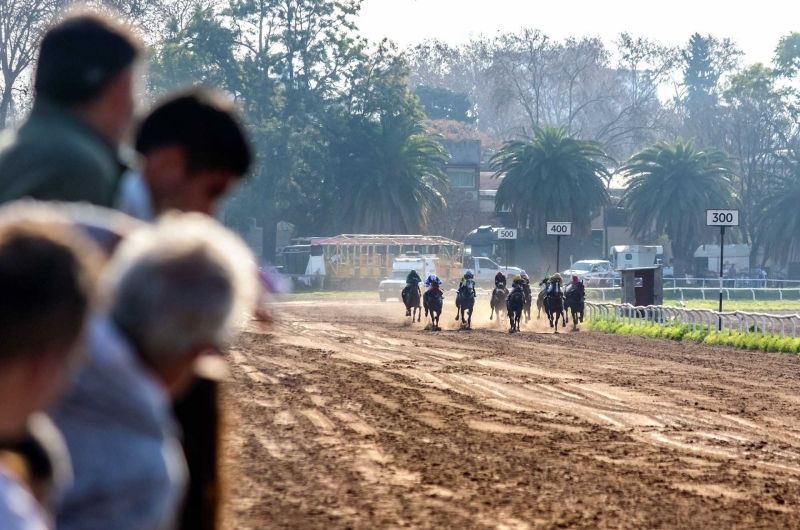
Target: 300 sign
<point x="722" y="217"/>
<point x="559" y="229"/>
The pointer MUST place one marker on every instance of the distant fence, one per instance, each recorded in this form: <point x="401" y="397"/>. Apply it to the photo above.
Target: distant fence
<point x="741" y="321"/>
<point x="711" y="293"/>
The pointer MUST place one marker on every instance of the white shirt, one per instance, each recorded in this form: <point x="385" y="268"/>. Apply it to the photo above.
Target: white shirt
<point x="134" y="197"/>
<point x="18" y="509"/>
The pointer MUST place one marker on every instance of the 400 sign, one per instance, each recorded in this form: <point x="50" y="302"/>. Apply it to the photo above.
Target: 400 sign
<point x="559" y="229"/>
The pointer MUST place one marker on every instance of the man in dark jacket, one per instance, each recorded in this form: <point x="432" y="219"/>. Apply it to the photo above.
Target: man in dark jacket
<point x="67" y="150"/>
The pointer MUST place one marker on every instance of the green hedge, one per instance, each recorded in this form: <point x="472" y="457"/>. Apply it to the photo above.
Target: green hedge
<point x="704" y="335"/>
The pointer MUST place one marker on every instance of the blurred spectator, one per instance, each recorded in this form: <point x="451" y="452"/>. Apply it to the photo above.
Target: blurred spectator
<point x="176" y="291"/>
<point x="67" y="150"/>
<point x="46" y="280"/>
<point x="194" y="150"/>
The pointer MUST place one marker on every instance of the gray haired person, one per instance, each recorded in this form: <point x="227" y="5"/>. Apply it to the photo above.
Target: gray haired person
<point x="175" y="292"/>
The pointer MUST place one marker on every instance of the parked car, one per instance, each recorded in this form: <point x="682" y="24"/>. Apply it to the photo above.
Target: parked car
<point x="593" y="273"/>
<point x="392" y="287"/>
<point x="485" y="270"/>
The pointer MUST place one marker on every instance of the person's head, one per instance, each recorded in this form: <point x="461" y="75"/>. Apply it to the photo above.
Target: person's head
<point x="86" y="64"/>
<point x="194" y="149"/>
<point x="574" y="278"/>
<point x="179" y="289"/>
<point x="46" y="279"/>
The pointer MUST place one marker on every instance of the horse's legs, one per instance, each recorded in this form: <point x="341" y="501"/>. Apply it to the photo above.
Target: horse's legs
<point x="469" y="319"/>
<point x="491" y="315"/>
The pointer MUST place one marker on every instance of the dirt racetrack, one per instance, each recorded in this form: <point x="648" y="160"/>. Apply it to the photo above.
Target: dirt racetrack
<point x="347" y="416"/>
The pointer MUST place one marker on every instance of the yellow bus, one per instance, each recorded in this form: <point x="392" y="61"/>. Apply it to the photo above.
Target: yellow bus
<point x="348" y="259"/>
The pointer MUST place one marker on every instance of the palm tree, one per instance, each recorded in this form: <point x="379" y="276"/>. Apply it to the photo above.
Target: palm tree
<point x="394" y="172"/>
<point x="671" y="187"/>
<point x="550" y="176"/>
<point x="779" y="218"/>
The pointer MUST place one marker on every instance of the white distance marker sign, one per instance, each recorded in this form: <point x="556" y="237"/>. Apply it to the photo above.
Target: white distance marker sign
<point x="559" y="229"/>
<point x="722" y="217"/>
<point x="507" y="233"/>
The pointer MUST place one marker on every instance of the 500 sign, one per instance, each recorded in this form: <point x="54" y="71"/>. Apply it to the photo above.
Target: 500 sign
<point x="507" y="234"/>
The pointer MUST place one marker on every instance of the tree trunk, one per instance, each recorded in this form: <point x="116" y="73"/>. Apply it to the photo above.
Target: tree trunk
<point x="269" y="237"/>
<point x="5" y="104"/>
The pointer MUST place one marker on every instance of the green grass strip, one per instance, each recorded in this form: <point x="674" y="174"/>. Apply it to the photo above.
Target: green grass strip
<point x="703" y="335"/>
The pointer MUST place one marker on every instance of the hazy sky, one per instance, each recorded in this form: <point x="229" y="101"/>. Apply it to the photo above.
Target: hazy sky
<point x="755" y="25"/>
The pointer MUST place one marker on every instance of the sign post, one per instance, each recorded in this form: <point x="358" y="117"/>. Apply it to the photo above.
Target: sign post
<point x="721" y="218"/>
<point x="558" y="230"/>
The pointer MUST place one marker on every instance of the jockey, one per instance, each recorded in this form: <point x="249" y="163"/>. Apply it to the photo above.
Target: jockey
<point x="433" y="282"/>
<point x="412" y="278"/>
<point x="576" y="286"/>
<point x="544" y="283"/>
<point x="467" y="279"/>
<point x="500" y="280"/>
<point x="555" y="285"/>
<point x="526" y="286"/>
<point x="518" y="284"/>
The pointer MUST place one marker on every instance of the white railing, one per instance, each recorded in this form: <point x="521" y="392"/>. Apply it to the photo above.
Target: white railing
<point x="741" y="321"/>
<point x="732" y="283"/>
<point x="713" y="292"/>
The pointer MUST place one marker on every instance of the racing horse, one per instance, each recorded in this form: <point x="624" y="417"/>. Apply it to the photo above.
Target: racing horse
<point x="433" y="303"/>
<point x="514" y="306"/>
<point x="465" y="302"/>
<point x="554" y="307"/>
<point x="526" y="308"/>
<point x="575" y="302"/>
<point x="412" y="299"/>
<point x="498" y="300"/>
<point x="540" y="302"/>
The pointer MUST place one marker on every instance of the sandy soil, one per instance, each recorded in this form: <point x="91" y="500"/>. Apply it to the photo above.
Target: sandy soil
<point x="348" y="416"/>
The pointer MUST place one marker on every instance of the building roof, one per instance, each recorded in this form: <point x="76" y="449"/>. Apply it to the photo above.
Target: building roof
<point x="384" y="239"/>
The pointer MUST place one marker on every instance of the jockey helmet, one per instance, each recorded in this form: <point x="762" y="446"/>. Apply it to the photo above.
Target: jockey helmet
<point x="469" y="274"/>
<point x="433" y="279"/>
<point x="556" y="277"/>
<point x="523" y="274"/>
<point x="575" y="278"/>
<point x="517" y="279"/>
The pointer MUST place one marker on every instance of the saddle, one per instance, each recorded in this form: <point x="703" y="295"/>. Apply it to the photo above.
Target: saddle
<point x="437" y="294"/>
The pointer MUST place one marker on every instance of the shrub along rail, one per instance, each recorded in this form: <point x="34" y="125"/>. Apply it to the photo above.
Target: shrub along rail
<point x="740" y="329"/>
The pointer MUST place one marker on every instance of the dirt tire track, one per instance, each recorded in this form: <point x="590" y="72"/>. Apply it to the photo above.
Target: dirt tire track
<point x="360" y="420"/>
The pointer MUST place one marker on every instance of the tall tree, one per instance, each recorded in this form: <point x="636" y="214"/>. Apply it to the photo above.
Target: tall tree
<point x="22" y="23"/>
<point x="706" y="61"/>
<point x="296" y="55"/>
<point x="670" y="188"/>
<point x="389" y="170"/>
<point x="779" y="216"/>
<point x="551" y="176"/>
<point x="444" y="104"/>
<point x="199" y="49"/>
<point x="787" y="54"/>
<point x="758" y="126"/>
